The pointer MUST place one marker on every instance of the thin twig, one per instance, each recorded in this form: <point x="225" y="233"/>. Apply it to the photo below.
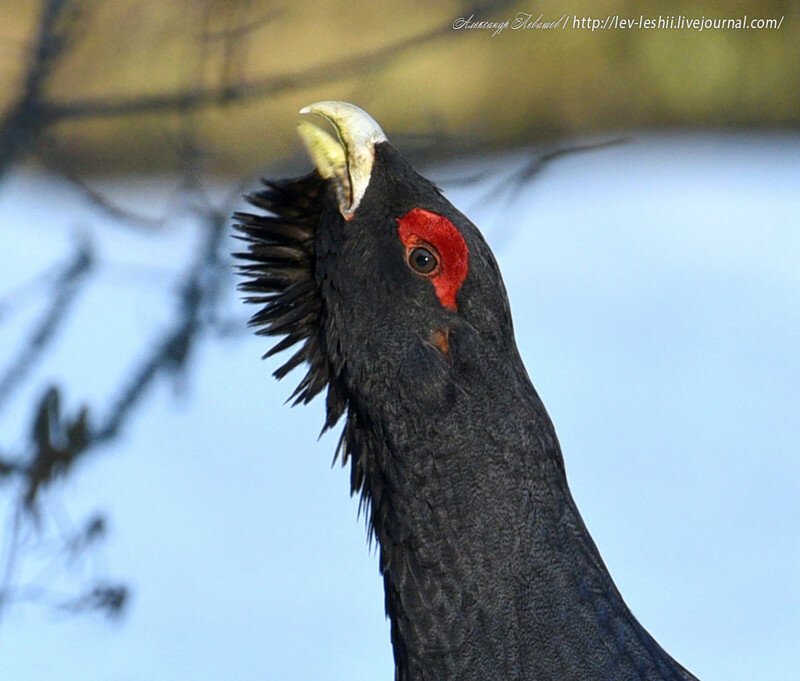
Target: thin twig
<point x="11" y="554"/>
<point x="513" y="182"/>
<point x="52" y="157"/>
<point x="65" y="290"/>
<point x="171" y="353"/>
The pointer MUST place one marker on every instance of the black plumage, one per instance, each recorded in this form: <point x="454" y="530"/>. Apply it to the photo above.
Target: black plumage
<point x="488" y="568"/>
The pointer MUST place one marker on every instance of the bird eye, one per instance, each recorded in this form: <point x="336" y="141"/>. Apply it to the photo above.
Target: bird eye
<point x="422" y="260"/>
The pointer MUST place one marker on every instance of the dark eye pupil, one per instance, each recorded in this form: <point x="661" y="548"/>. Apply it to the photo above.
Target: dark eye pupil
<point x="422" y="260"/>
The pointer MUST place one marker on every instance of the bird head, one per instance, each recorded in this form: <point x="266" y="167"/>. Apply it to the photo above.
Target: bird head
<point x="392" y="295"/>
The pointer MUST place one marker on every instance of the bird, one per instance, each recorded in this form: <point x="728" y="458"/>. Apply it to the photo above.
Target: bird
<point x="394" y="302"/>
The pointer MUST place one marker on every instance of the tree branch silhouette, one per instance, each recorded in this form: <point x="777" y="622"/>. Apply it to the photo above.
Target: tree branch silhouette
<point x="24" y="121"/>
<point x="60" y="438"/>
<point x="65" y="287"/>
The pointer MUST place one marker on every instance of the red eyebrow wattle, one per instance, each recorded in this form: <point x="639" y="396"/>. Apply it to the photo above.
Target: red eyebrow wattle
<point x="420" y="226"/>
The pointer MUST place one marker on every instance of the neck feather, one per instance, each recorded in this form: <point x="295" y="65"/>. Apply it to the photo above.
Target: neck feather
<point x="489" y="571"/>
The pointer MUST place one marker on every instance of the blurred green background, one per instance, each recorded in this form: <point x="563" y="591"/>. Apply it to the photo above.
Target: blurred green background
<point x="135" y="72"/>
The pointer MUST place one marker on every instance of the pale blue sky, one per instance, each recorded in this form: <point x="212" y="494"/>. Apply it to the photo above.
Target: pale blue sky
<point x="656" y="295"/>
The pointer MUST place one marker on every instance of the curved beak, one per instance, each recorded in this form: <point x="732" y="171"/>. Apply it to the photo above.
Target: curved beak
<point x="346" y="161"/>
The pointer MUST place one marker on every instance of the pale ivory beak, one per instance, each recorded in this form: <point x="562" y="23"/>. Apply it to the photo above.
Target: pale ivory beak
<point x="346" y="161"/>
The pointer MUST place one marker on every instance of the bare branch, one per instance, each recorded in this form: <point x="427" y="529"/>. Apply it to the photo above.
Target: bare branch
<point x="65" y="289"/>
<point x="172" y="352"/>
<point x="23" y="122"/>
<point x="511" y="184"/>
<point x="52" y="157"/>
<point x="11" y="555"/>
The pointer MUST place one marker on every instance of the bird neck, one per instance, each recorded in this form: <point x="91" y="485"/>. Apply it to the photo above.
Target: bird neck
<point x="488" y="568"/>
